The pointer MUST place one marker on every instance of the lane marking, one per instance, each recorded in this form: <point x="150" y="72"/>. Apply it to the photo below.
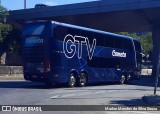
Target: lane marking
<point x="68" y="95"/>
<point x="98" y="92"/>
<point x="84" y="93"/>
<point x="54" y="97"/>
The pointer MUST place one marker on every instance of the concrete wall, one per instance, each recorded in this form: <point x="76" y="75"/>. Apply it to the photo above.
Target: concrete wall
<point x="11" y="70"/>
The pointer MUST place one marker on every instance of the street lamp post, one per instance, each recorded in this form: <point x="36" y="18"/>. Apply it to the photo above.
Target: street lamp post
<point x="24" y="4"/>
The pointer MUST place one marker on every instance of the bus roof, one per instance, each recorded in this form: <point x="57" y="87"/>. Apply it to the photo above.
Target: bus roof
<point x="84" y="28"/>
<point x="92" y="30"/>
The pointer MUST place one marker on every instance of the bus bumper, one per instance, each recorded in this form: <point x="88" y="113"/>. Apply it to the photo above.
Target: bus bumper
<point x="45" y="77"/>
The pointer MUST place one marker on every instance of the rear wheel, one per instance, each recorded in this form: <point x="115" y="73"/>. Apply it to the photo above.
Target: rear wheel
<point x="122" y="79"/>
<point x="82" y="80"/>
<point x="72" y="80"/>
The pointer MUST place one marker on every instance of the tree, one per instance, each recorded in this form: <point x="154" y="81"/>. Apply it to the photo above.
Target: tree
<point x="9" y="36"/>
<point x="4" y="27"/>
<point x="3" y="14"/>
<point x="145" y="39"/>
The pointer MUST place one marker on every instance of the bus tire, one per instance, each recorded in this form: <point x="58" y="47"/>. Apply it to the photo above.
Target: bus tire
<point x="82" y="80"/>
<point x="128" y="79"/>
<point x="122" y="80"/>
<point x="72" y="80"/>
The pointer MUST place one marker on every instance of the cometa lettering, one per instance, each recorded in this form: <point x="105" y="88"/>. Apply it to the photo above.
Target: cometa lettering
<point x="34" y="41"/>
<point x="118" y="54"/>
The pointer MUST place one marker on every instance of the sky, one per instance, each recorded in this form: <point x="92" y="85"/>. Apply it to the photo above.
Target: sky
<point x="19" y="4"/>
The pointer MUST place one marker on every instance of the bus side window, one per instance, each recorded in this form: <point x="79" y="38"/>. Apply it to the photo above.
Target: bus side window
<point x="100" y="40"/>
<point x="109" y="41"/>
<point x="137" y="46"/>
<point x="128" y="45"/>
<point x="59" y="32"/>
<point x="119" y="44"/>
<point x="73" y="31"/>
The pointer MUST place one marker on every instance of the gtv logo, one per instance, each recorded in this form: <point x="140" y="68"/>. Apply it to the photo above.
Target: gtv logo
<point x="70" y="47"/>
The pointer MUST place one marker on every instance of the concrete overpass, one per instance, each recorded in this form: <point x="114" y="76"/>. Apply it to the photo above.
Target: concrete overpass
<point x="107" y="15"/>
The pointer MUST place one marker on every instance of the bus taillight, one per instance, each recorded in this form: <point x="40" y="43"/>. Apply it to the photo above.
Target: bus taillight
<point x="48" y="67"/>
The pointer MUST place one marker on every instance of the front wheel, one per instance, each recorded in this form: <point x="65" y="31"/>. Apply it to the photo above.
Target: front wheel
<point x="72" y="80"/>
<point x="82" y="80"/>
<point x="122" y="79"/>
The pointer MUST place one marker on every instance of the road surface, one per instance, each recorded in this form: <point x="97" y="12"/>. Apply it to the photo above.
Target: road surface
<point x="30" y="93"/>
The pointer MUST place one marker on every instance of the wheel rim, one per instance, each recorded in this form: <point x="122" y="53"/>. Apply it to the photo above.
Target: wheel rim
<point x="122" y="79"/>
<point x="72" y="81"/>
<point x="83" y="79"/>
<point x="129" y="78"/>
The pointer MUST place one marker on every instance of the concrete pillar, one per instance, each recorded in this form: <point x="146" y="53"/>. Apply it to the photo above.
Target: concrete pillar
<point x="156" y="53"/>
<point x="156" y="49"/>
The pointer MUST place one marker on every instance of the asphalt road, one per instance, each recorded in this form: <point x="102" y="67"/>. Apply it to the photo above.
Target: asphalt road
<point x="31" y="93"/>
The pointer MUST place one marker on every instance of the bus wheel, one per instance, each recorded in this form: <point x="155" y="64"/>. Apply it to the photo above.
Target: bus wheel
<point x="82" y="80"/>
<point x="122" y="79"/>
<point x="72" y="80"/>
<point x="128" y="79"/>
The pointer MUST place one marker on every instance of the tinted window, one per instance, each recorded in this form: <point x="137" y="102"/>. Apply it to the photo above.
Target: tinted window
<point x="34" y="29"/>
<point x="137" y="46"/>
<point x="119" y="43"/>
<point x="88" y="34"/>
<point x="100" y="39"/>
<point x="109" y="41"/>
<point x="128" y="45"/>
<point x="73" y="31"/>
<point x="101" y="62"/>
<point x="60" y="32"/>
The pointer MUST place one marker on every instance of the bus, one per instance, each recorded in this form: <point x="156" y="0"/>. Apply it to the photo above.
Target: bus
<point x="60" y="53"/>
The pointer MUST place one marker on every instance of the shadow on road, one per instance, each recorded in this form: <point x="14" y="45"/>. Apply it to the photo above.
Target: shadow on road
<point x="21" y="84"/>
<point x="145" y="81"/>
<point x="129" y="102"/>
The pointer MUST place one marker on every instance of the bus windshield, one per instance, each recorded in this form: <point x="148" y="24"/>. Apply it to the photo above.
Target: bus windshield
<point x="33" y="29"/>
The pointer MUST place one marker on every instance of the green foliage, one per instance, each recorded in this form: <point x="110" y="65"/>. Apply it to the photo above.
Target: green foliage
<point x="9" y="36"/>
<point x="145" y="39"/>
<point x="3" y="14"/>
<point x="14" y="44"/>
<point x="5" y="29"/>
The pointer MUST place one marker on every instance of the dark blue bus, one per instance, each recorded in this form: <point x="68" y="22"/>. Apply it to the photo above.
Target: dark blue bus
<point x="59" y="53"/>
